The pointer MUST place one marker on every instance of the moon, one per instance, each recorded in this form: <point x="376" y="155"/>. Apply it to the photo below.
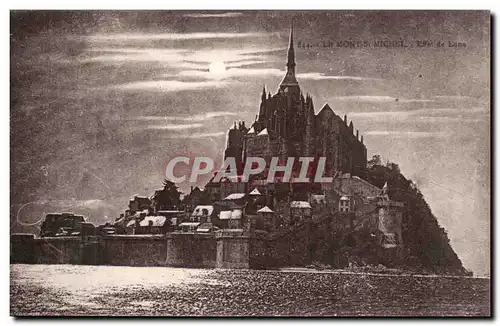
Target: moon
<point x="217" y="68"/>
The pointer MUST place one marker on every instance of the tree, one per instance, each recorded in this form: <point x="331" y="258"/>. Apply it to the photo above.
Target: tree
<point x="376" y="160"/>
<point x="168" y="197"/>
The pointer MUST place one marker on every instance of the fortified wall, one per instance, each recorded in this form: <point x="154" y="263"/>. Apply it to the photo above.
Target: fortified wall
<point x="220" y="250"/>
<point x="308" y="241"/>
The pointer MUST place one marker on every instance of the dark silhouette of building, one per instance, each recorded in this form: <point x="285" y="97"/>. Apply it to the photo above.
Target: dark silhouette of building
<point x="59" y="224"/>
<point x="287" y="126"/>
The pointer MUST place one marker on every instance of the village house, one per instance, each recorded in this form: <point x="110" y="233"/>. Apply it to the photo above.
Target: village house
<point x="200" y="220"/>
<point x="300" y="211"/>
<point x="267" y="218"/>
<point x="233" y="218"/>
<point x="138" y="203"/>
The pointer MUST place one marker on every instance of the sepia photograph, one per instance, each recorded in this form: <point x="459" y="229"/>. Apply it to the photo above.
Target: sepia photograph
<point x="250" y="163"/>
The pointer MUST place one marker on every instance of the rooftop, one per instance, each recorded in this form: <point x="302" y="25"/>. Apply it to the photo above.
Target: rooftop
<point x="300" y="204"/>
<point x="255" y="192"/>
<point x="265" y="209"/>
<point x="156" y="221"/>
<point x="263" y="132"/>
<point x="235" y="196"/>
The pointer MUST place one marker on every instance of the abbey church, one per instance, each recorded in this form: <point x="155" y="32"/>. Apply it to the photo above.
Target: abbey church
<point x="287" y="126"/>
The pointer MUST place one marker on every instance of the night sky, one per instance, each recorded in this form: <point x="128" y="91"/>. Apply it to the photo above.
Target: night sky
<point x="100" y="101"/>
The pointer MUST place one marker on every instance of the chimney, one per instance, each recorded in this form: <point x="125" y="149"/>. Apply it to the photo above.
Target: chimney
<point x="357" y="134"/>
<point x="345" y="118"/>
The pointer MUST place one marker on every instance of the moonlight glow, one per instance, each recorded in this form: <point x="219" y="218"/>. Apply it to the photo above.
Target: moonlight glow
<point x="217" y="68"/>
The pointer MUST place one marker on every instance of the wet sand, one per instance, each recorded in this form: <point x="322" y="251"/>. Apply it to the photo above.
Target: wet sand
<point x="68" y="290"/>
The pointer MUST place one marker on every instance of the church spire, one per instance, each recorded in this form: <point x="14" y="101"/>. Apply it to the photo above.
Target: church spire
<point x="289" y="80"/>
<point x="291" y="52"/>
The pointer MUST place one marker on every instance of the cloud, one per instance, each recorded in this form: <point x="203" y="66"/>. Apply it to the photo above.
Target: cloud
<point x="220" y="15"/>
<point x="322" y="76"/>
<point x="405" y="134"/>
<point x="385" y="98"/>
<point x="232" y="72"/>
<point x="197" y="120"/>
<point x="366" y="98"/>
<point x="135" y="54"/>
<point x="381" y="114"/>
<point x="195" y="136"/>
<point x="243" y="63"/>
<point x="453" y="97"/>
<point x="181" y="58"/>
<point x="242" y="72"/>
<point x="171" y="36"/>
<point x="460" y="113"/>
<point x="170" y="85"/>
<point x="229" y="56"/>
<point x="174" y="126"/>
<point x="197" y="117"/>
<point x="380" y="98"/>
<point x="132" y="50"/>
<point x="414" y="100"/>
<point x="204" y="65"/>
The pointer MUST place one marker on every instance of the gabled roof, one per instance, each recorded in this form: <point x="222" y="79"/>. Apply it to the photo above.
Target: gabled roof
<point x="263" y="132"/>
<point x="265" y="209"/>
<point x="326" y="109"/>
<point x="251" y="131"/>
<point x="255" y="192"/>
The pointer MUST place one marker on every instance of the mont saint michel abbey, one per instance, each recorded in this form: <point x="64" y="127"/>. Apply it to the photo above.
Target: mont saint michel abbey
<point x="257" y="223"/>
<point x="287" y="126"/>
